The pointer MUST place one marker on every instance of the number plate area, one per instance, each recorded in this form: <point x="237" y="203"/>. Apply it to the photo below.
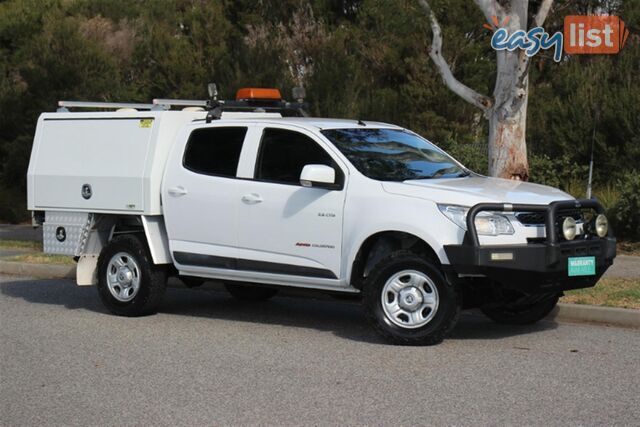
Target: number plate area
<point x="581" y="266"/>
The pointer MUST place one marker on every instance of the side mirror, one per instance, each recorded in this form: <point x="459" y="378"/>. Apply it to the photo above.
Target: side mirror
<point x="321" y="176"/>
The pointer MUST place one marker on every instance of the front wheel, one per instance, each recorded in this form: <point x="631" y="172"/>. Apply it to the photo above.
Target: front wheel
<point x="408" y="300"/>
<point x="129" y="283"/>
<point x="522" y="313"/>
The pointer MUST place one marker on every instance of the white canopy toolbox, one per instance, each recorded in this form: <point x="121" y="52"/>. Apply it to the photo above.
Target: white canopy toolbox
<point x="102" y="162"/>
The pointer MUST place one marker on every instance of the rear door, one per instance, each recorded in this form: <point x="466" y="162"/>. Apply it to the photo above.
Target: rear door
<point x="287" y="229"/>
<point x="200" y="194"/>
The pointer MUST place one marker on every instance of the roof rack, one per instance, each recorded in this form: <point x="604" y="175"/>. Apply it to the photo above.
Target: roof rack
<point x="213" y="106"/>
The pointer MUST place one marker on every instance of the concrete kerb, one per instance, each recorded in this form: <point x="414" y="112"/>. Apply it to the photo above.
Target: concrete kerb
<point x="38" y="271"/>
<point x="624" y="317"/>
<point x="581" y="313"/>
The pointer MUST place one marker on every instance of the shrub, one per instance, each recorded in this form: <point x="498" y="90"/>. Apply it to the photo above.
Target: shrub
<point x="560" y="172"/>
<point x="13" y="206"/>
<point x="607" y="195"/>
<point x="470" y="156"/>
<point x="624" y="215"/>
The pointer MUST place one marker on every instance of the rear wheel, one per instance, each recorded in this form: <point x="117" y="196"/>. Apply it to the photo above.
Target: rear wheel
<point x="408" y="300"/>
<point x="523" y="313"/>
<point x="129" y="283"/>
<point x="249" y="292"/>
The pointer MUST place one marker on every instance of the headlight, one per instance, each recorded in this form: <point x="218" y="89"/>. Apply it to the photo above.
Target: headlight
<point x="487" y="223"/>
<point x="602" y="225"/>
<point x="569" y="228"/>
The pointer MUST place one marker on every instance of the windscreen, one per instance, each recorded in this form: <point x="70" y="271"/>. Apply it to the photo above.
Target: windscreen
<point x="393" y="154"/>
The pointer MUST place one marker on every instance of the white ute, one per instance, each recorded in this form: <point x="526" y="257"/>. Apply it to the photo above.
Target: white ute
<point x="242" y="192"/>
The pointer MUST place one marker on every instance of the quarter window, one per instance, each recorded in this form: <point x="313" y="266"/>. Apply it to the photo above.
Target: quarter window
<point x="283" y="154"/>
<point x="214" y="151"/>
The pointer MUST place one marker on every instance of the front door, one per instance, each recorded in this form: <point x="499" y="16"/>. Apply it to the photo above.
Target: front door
<point x="285" y="228"/>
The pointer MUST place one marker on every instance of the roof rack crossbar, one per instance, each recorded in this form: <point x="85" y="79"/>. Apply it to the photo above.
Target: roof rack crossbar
<point x="180" y="102"/>
<point x="83" y="104"/>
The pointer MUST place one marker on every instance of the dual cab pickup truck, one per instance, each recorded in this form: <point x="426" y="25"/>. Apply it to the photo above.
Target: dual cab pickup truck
<point x="243" y="194"/>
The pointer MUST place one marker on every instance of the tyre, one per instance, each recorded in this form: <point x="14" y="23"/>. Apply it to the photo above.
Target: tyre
<point x="408" y="301"/>
<point x="522" y="314"/>
<point x="129" y="283"/>
<point x="247" y="292"/>
<point x="192" y="281"/>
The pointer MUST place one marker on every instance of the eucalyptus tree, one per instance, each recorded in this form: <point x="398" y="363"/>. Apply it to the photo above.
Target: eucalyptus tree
<point x="506" y="109"/>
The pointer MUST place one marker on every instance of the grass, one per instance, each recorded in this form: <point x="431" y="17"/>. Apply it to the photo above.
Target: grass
<point x="20" y="244"/>
<point x="614" y="292"/>
<point x="40" y="258"/>
<point x="607" y="194"/>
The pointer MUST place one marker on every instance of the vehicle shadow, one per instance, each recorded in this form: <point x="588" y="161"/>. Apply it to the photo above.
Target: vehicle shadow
<point x="342" y="318"/>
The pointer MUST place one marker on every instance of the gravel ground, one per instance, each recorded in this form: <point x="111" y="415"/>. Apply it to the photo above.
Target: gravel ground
<point x="208" y="359"/>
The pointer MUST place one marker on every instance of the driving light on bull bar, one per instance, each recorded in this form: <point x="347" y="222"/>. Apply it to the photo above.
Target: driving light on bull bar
<point x="569" y="228"/>
<point x="602" y="225"/>
<point x="487" y="223"/>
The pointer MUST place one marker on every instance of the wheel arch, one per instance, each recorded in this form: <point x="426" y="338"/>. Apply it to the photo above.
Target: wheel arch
<point x="106" y="227"/>
<point x="379" y="244"/>
<point x="153" y="228"/>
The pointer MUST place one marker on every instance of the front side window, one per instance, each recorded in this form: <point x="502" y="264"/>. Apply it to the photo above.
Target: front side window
<point x="214" y="151"/>
<point x="393" y="154"/>
<point x="283" y="154"/>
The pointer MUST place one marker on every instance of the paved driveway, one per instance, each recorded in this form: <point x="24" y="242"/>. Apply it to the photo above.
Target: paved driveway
<point x="207" y="359"/>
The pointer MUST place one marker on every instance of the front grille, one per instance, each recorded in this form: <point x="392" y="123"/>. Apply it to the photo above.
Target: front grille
<point x="538" y="218"/>
<point x="531" y="218"/>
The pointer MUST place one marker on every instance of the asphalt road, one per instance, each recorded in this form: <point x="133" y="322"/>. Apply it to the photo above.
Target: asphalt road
<point x="207" y="359"/>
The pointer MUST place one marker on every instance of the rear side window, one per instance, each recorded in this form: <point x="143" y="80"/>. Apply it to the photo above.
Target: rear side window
<point x="283" y="154"/>
<point x="214" y="151"/>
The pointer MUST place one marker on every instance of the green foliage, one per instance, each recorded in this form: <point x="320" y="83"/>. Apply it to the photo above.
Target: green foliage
<point x="363" y="59"/>
<point x="470" y="155"/>
<point x="624" y="216"/>
<point x="13" y="205"/>
<point x="607" y="195"/>
<point x="560" y="172"/>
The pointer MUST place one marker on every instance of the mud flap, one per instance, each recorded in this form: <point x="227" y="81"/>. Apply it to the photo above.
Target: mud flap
<point x="87" y="270"/>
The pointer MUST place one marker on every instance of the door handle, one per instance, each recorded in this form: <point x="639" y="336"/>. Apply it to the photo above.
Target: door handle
<point x="252" y="198"/>
<point x="177" y="191"/>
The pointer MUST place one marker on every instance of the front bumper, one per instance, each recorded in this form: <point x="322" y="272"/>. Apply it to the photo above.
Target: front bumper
<point x="534" y="267"/>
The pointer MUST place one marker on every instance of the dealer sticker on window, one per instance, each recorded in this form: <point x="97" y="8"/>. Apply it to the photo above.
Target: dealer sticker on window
<point x="582" y="266"/>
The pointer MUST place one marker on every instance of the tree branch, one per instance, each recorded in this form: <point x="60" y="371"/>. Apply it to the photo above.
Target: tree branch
<point x="538" y="20"/>
<point x="490" y="8"/>
<point x="435" y="53"/>
<point x="543" y="11"/>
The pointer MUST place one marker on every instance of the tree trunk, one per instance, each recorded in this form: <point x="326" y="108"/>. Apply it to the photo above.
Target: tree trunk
<point x="508" y="115"/>
<point x="508" y="146"/>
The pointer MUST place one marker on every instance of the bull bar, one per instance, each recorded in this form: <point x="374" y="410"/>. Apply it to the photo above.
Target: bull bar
<point x="534" y="267"/>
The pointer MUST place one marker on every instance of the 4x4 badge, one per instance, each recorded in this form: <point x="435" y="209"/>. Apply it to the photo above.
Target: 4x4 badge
<point x="86" y="191"/>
